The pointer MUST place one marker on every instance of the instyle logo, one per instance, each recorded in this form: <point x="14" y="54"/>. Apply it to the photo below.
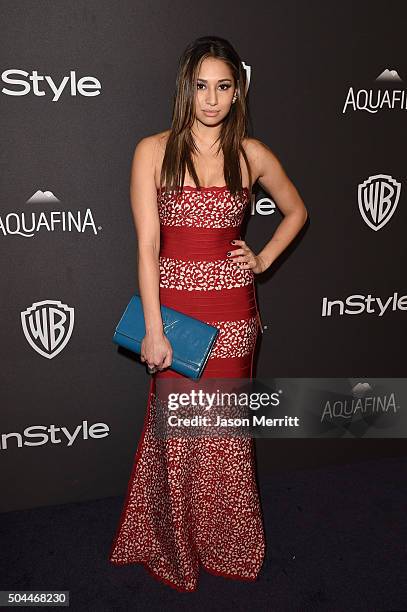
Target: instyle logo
<point x="359" y="304"/>
<point x="263" y="206"/>
<point x="378" y="197"/>
<point x="40" y="435"/>
<point x="39" y="85"/>
<point x="373" y="100"/>
<point x="29" y="223"/>
<point x="48" y="326"/>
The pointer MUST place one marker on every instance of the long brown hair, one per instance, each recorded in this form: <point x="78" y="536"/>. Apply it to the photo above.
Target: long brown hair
<point x="180" y="143"/>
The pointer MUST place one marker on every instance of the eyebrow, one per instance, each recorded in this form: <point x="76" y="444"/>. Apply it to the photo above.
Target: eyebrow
<point x="219" y="80"/>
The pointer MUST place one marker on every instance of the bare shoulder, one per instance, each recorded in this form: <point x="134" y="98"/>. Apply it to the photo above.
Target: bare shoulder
<point x="267" y="168"/>
<point x="161" y="138"/>
<point x="260" y="155"/>
<point x="252" y="147"/>
<point x="150" y="146"/>
<point x="148" y="155"/>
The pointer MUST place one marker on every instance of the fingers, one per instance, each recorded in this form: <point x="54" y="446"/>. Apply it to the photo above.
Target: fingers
<point x="237" y="252"/>
<point x="167" y="362"/>
<point x="154" y="367"/>
<point x="243" y="257"/>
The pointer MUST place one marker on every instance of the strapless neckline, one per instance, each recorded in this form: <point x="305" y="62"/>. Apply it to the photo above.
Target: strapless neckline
<point x="211" y="188"/>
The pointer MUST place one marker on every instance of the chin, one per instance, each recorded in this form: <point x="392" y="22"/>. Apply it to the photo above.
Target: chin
<point x="211" y="120"/>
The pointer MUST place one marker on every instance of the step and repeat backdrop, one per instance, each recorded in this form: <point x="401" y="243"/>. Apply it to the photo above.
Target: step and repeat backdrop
<point x="81" y="84"/>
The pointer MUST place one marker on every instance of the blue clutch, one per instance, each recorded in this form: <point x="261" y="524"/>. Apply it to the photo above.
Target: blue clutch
<point x="191" y="339"/>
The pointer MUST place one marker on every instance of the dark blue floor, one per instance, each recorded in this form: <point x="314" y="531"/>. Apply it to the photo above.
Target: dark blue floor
<point x="336" y="536"/>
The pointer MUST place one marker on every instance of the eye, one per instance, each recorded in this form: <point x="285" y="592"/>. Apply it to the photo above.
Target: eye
<point x="223" y="86"/>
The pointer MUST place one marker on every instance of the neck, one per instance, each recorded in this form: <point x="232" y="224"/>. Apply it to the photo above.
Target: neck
<point x="204" y="135"/>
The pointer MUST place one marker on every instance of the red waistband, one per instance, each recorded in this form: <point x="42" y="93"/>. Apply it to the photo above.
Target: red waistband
<point x="189" y="243"/>
<point x="215" y="305"/>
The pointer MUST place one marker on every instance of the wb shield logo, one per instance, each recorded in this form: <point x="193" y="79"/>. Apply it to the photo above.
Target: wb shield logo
<point x="48" y="326"/>
<point x="378" y="198"/>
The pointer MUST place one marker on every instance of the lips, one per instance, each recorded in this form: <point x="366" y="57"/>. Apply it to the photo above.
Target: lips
<point x="211" y="113"/>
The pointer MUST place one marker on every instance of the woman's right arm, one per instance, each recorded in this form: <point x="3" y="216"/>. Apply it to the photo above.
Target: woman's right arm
<point x="155" y="348"/>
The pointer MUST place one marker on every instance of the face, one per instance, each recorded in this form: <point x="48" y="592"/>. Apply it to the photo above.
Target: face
<point x="214" y="91"/>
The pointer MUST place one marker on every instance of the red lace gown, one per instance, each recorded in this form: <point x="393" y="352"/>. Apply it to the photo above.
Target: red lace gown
<point x="193" y="501"/>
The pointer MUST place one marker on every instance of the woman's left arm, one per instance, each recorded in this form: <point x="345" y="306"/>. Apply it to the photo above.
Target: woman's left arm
<point x="271" y="176"/>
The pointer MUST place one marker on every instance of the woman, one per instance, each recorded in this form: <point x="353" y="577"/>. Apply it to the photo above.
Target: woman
<point x="195" y="501"/>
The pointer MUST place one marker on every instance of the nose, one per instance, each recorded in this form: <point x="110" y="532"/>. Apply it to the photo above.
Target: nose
<point x="211" y="97"/>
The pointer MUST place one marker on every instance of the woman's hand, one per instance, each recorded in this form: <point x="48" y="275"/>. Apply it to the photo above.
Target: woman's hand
<point x="156" y="351"/>
<point x="246" y="259"/>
